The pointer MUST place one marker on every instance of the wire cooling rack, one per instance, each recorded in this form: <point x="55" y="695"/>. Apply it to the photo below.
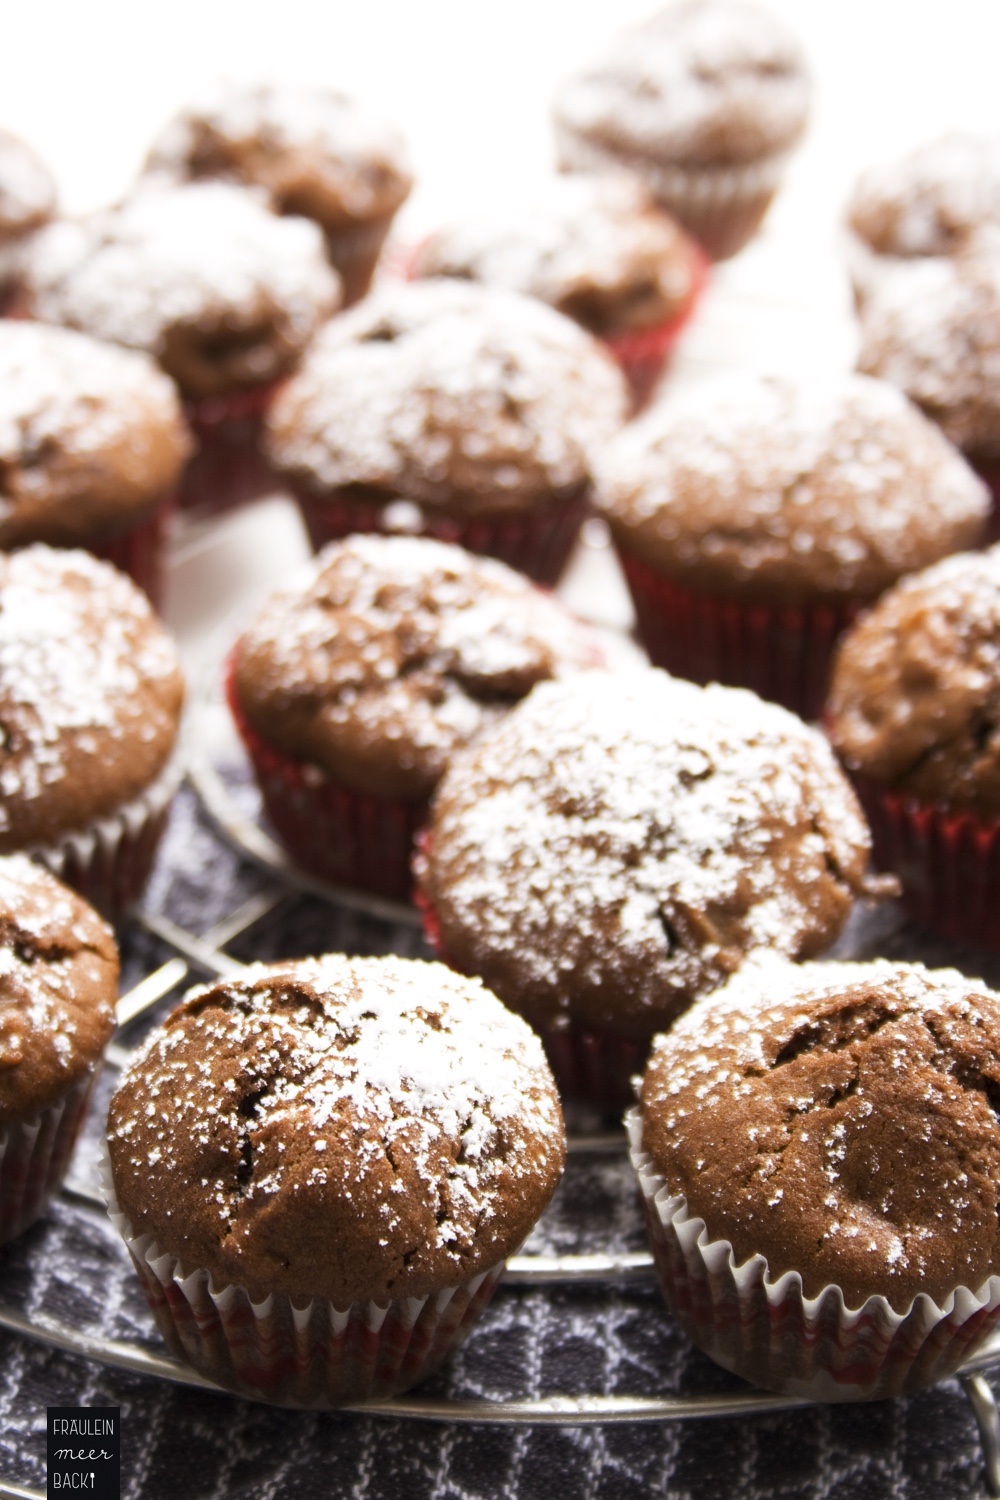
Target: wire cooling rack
<point x="194" y="957"/>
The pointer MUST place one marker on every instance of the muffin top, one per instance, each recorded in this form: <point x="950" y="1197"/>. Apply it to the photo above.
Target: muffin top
<point x="58" y="988"/>
<point x="394" y="652"/>
<point x="933" y="201"/>
<point x="91" y="435"/>
<point x="315" y="151"/>
<point x="27" y="190"/>
<point x="619" y="843"/>
<point x="782" y="490"/>
<point x="932" y="328"/>
<point x="597" y="249"/>
<point x="354" y="1129"/>
<point x="701" y="83"/>
<point x="840" y="1120"/>
<point x="90" y="694"/>
<point x="915" y="698"/>
<point x="448" y="394"/>
<point x="223" y="293"/>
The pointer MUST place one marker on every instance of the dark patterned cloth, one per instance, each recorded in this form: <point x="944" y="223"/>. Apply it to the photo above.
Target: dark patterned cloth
<point x="180" y="1444"/>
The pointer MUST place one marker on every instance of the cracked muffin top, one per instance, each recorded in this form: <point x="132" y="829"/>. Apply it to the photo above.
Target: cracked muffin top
<point x="597" y="249"/>
<point x="394" y="652"/>
<point x="353" y="1129"/>
<point x="27" y="190"/>
<point x="91" y="435"/>
<point x="222" y="292"/>
<point x="705" y="83"/>
<point x="450" y="394"/>
<point x="620" y="843"/>
<point x="915" y="697"/>
<point x="933" y="200"/>
<point x="839" y="1119"/>
<point x="90" y="694"/>
<point x="58" y="988"/>
<point x="789" y="491"/>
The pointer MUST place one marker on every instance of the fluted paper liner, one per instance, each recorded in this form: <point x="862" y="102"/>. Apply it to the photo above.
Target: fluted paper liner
<point x="772" y="1334"/>
<point x="34" y="1156"/>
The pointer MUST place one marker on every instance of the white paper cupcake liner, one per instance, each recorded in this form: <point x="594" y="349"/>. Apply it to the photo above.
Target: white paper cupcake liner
<point x="316" y="1356"/>
<point x="34" y="1156"/>
<point x="776" y="1337"/>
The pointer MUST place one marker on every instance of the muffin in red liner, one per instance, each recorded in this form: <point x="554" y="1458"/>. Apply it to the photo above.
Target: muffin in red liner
<point x="913" y="713"/>
<point x="265" y="1217"/>
<point x="454" y="410"/>
<point x="91" y="694"/>
<point x="757" y="516"/>
<point x="355" y="686"/>
<point x="59" y="988"/>
<point x="619" y="843"/>
<point x="228" y="467"/>
<point x="817" y="1154"/>
<point x="643" y="353"/>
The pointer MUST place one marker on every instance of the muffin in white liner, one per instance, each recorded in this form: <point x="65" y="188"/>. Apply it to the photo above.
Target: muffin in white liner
<point x="888" y="1107"/>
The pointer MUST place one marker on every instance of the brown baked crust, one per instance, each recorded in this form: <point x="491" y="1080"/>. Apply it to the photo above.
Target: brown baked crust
<point x="90" y="694"/>
<point x="353" y="1129"/>
<point x="619" y="843"/>
<point x="58" y="988"/>
<point x="223" y="293"/>
<point x="597" y="249"/>
<point x="701" y="83"/>
<point x="392" y="653"/>
<point x="915" y="697"/>
<point x="91" y="435"/>
<point x="462" y="397"/>
<point x="839" y="1119"/>
<point x="315" y="151"/>
<point x="933" y="201"/>
<point x="784" y="491"/>
<point x="932" y="328"/>
<point x="27" y="189"/>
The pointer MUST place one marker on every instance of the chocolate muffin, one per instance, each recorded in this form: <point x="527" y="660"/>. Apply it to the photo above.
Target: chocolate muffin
<point x="322" y="1141"/>
<point x="755" y="517"/>
<point x="92" y="443"/>
<point x="356" y="685"/>
<point x="703" y="102"/>
<point x="834" y="1127"/>
<point x="58" y="988"/>
<point x="27" y="201"/>
<point x="314" y="151"/>
<point x="90" y="698"/>
<point x="914" y="713"/>
<point x="620" y="843"/>
<point x="477" y="407"/>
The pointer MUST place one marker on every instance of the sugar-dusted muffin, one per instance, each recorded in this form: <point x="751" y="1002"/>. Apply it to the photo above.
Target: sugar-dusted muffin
<point x="620" y="843"/>
<point x="757" y="515"/>
<point x="598" y="249"/>
<point x="221" y="292"/>
<point x="320" y="1168"/>
<point x="315" y="152"/>
<point x="92" y="444"/>
<point x="90" y="701"/>
<point x="818" y="1141"/>
<point x="356" y="685"/>
<point x="477" y="407"/>
<point x="58" y="988"/>
<point x="914" y="714"/>
<point x="27" y="201"/>
<point x="703" y="101"/>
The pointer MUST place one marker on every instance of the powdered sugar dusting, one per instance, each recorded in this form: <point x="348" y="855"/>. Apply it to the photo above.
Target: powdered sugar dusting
<point x="932" y="201"/>
<point x="27" y="191"/>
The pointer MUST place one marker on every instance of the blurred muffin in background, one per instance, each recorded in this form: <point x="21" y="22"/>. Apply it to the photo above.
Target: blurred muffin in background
<point x="315" y="151"/>
<point x="27" y="201"/>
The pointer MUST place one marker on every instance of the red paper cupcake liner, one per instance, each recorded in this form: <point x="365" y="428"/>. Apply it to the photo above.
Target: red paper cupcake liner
<point x="228" y="467"/>
<point x="34" y="1156"/>
<point x="642" y="355"/>
<point x="948" y="861"/>
<point x="783" y="652"/>
<point x="139" y="549"/>
<point x="773" y="1335"/>
<point x="536" y="542"/>
<point x="347" y="837"/>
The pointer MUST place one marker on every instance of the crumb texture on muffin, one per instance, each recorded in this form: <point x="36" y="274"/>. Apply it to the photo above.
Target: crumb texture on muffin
<point x="351" y="1129"/>
<point x="618" y="844"/>
<point x="915" y="698"/>
<point x="841" y="1120"/>
<point x="395" y="652"/>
